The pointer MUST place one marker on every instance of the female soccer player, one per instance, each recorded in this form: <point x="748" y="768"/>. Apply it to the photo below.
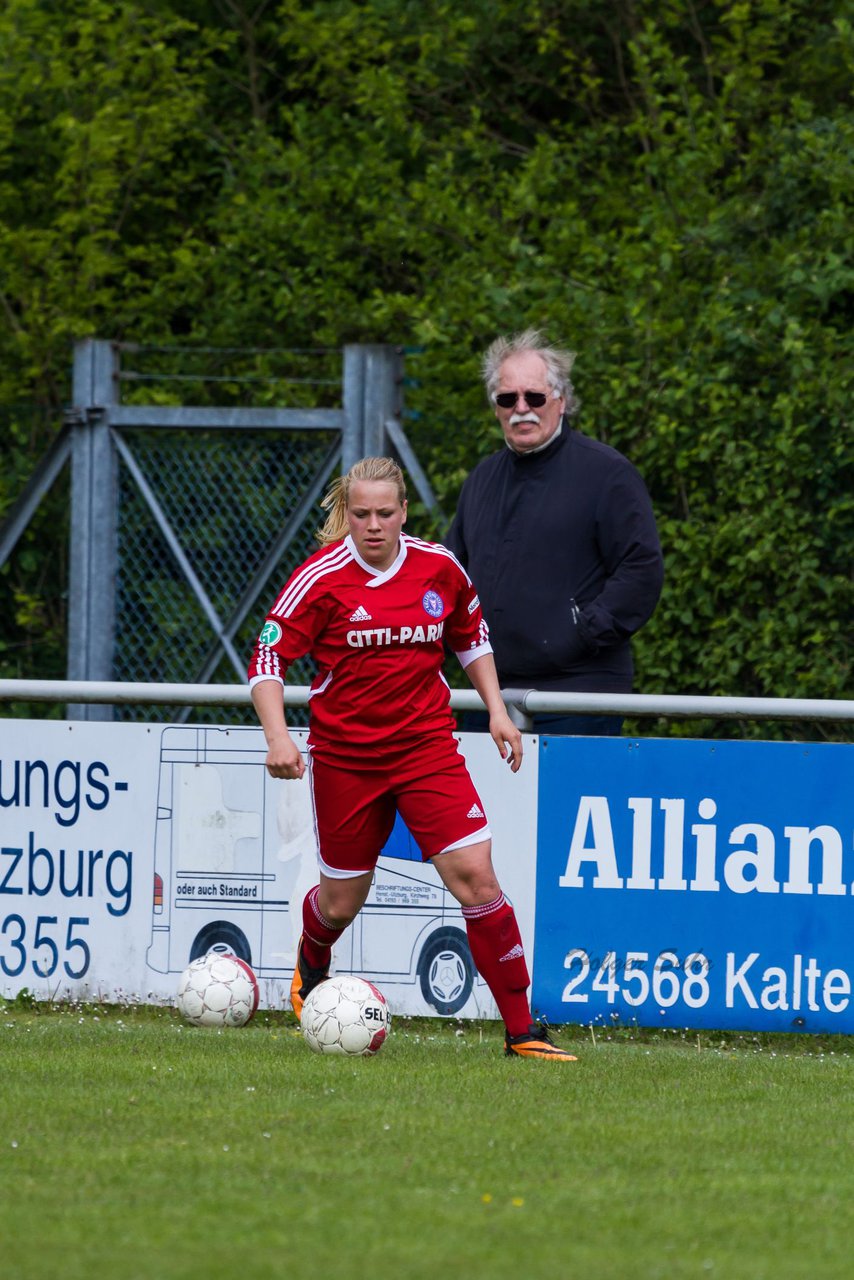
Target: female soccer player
<point x="374" y="608"/>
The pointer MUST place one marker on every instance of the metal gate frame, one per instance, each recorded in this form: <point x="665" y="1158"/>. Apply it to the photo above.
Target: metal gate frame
<point x="368" y="424"/>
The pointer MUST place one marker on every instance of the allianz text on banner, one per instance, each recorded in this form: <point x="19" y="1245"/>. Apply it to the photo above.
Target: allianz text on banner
<point x="694" y="884"/>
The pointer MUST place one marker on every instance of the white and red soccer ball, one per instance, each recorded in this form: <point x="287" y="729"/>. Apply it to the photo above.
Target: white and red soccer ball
<point x="217" y="990"/>
<point x="345" y="1015"/>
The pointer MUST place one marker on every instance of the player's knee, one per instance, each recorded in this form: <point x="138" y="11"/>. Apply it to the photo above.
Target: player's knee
<point x="341" y="918"/>
<point x="342" y="901"/>
<point x="476" y="888"/>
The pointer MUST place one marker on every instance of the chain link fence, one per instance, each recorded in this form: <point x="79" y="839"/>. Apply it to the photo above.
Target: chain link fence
<point x="198" y="474"/>
<point x="225" y="496"/>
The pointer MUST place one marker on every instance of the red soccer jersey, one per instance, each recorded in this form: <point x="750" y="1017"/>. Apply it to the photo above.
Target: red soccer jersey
<point x="378" y="640"/>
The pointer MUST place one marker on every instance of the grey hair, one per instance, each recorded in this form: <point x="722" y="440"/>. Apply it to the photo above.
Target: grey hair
<point x="338" y="494"/>
<point x="557" y="360"/>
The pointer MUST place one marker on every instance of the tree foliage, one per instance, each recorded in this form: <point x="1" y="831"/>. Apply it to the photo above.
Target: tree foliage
<point x="664" y="185"/>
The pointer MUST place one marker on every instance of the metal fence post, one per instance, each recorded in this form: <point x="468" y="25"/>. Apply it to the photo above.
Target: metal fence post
<point x="372" y="395"/>
<point x="383" y="396"/>
<point x="353" y="399"/>
<point x="94" y="508"/>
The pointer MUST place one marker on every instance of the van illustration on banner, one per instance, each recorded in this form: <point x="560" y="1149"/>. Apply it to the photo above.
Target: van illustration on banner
<point x="235" y="854"/>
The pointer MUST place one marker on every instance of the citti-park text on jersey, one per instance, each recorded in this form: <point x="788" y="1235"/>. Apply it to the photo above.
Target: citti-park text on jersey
<point x="385" y="635"/>
<point x="751" y="862"/>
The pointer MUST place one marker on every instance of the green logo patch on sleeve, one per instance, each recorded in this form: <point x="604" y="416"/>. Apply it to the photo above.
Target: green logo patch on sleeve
<point x="271" y="633"/>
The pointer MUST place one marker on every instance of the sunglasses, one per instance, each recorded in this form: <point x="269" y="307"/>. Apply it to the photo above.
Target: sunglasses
<point x="534" y="399"/>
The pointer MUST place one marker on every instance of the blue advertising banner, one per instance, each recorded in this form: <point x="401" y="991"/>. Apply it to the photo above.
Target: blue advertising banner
<point x="689" y="883"/>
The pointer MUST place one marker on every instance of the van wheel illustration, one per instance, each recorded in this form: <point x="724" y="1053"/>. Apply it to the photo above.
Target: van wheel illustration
<point x="446" y="971"/>
<point x="223" y="936"/>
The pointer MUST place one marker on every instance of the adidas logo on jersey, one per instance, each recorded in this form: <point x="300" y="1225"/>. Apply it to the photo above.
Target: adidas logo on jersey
<point x="475" y="812"/>
<point x="361" y="615"/>
<point x="513" y="954"/>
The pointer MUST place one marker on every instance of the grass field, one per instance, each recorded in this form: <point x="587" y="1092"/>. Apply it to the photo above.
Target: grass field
<point x="132" y="1146"/>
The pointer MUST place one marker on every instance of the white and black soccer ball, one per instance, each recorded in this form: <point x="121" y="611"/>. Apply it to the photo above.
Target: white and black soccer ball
<point x="345" y="1015"/>
<point x="217" y="990"/>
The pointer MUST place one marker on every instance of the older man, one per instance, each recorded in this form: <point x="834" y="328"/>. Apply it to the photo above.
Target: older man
<point x="558" y="535"/>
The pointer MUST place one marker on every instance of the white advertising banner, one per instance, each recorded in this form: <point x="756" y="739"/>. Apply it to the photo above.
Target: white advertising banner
<point x="128" y="849"/>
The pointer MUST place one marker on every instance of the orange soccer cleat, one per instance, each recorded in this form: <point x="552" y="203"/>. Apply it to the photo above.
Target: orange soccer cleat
<point x="535" y="1043"/>
<point x="305" y="979"/>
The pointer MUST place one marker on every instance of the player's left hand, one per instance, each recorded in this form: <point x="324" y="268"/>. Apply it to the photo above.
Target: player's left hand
<point x="507" y="738"/>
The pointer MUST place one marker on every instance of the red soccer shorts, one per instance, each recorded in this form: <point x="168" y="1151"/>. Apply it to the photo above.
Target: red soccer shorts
<point x="355" y="808"/>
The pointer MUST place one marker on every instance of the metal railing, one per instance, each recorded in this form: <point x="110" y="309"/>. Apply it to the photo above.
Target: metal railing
<point x="522" y="703"/>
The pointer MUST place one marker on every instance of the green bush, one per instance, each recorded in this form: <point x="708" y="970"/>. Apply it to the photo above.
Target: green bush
<point x="665" y="187"/>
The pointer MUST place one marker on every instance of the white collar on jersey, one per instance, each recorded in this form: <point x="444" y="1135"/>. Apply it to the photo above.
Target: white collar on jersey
<point x="379" y="575"/>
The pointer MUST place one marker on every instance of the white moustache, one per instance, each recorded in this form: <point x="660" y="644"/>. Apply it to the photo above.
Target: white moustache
<point x="516" y="418"/>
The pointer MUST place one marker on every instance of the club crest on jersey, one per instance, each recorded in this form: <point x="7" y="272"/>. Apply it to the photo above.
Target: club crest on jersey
<point x="271" y="632"/>
<point x="433" y="604"/>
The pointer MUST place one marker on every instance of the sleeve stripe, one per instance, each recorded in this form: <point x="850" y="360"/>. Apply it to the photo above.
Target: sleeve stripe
<point x="305" y="580"/>
<point x="267" y="664"/>
<point x="259" y="679"/>
<point x="469" y="655"/>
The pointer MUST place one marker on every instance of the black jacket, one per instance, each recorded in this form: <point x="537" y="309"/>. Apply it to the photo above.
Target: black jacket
<point x="563" y="550"/>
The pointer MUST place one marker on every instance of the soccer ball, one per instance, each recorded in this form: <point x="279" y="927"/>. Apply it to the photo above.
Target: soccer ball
<point x="345" y="1015"/>
<point x="217" y="990"/>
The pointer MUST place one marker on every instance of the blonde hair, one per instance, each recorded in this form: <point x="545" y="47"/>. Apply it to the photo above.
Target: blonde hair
<point x="337" y="496"/>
